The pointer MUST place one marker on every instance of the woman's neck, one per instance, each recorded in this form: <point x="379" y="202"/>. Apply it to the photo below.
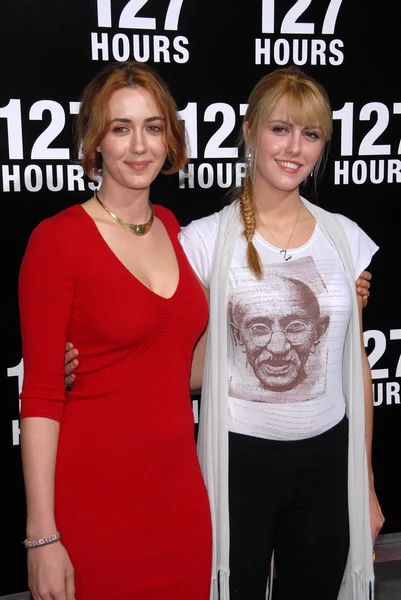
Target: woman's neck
<point x="129" y="204"/>
<point x="277" y="204"/>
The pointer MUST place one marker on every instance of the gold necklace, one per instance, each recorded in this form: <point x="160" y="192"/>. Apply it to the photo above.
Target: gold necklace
<point x="284" y="251"/>
<point x="137" y="229"/>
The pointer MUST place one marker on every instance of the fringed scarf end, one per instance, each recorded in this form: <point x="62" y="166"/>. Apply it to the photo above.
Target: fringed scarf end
<point x="220" y="586"/>
<point x="356" y="587"/>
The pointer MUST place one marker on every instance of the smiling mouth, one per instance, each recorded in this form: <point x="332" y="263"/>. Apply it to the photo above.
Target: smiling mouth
<point x="288" y="165"/>
<point x="137" y="166"/>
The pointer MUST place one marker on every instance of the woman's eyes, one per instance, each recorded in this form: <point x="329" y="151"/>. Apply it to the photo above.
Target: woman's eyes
<point x="150" y="128"/>
<point x="313" y="135"/>
<point x="154" y="128"/>
<point x="309" y="134"/>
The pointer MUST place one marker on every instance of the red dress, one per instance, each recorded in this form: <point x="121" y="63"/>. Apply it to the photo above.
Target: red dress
<point x="130" y="501"/>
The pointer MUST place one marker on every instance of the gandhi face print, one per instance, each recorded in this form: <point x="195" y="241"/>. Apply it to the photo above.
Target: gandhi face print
<point x="278" y="329"/>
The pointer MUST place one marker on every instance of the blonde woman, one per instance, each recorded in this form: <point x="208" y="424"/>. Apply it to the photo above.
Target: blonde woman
<point x="286" y="418"/>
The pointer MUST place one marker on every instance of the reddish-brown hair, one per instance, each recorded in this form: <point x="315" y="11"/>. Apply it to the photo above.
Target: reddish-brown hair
<point x="93" y="119"/>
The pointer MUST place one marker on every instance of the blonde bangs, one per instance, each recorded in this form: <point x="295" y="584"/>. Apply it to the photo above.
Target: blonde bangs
<point x="308" y="110"/>
<point x="308" y="103"/>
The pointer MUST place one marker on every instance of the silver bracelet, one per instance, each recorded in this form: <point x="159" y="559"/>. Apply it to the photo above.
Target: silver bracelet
<point x="42" y="541"/>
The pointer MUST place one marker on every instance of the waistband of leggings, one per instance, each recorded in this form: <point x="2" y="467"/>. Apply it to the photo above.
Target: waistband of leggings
<point x="327" y="437"/>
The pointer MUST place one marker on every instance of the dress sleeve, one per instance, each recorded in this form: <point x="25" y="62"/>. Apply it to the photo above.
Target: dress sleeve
<point x="363" y="248"/>
<point x="46" y="290"/>
<point x="198" y="240"/>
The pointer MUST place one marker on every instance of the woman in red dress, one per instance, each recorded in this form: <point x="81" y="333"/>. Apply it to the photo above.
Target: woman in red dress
<point x="112" y="464"/>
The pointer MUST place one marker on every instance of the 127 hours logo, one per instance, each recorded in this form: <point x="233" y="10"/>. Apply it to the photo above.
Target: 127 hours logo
<point x="55" y="170"/>
<point x="379" y="139"/>
<point x="386" y="391"/>
<point x="119" y="46"/>
<point x="285" y="48"/>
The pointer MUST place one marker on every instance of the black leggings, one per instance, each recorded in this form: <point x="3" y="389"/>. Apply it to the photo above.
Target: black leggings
<point x="290" y="497"/>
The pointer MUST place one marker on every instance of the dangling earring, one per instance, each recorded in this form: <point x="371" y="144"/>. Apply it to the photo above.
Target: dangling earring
<point x="311" y="174"/>
<point x="248" y="158"/>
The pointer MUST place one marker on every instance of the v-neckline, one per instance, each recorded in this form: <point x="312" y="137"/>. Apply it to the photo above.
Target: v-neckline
<point x="110" y="254"/>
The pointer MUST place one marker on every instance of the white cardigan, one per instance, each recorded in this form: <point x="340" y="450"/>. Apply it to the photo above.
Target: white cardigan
<point x="213" y="424"/>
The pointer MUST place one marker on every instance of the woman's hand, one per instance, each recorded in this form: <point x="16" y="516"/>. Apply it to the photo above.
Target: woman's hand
<point x="50" y="573"/>
<point x="70" y="363"/>
<point x="363" y="285"/>
<point x="376" y="515"/>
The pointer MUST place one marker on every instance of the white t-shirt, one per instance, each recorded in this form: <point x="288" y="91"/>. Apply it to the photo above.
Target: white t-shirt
<point x="286" y="332"/>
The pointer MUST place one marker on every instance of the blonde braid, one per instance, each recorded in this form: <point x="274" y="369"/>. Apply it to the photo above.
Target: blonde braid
<point x="248" y="214"/>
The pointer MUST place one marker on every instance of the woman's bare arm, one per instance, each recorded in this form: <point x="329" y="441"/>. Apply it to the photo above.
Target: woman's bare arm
<point x="51" y="574"/>
<point x="39" y="440"/>
<point x="198" y="359"/>
<point x="198" y="362"/>
<point x="376" y="515"/>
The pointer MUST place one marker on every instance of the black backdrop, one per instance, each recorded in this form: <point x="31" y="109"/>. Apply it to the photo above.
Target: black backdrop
<point x="211" y="52"/>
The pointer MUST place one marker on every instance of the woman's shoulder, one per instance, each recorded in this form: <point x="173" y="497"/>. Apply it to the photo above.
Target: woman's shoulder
<point x="60" y="225"/>
<point x="205" y="226"/>
<point x="362" y="246"/>
<point x="167" y="217"/>
<point x="53" y="241"/>
<point x="198" y="240"/>
<point x="347" y="223"/>
<point x="350" y="227"/>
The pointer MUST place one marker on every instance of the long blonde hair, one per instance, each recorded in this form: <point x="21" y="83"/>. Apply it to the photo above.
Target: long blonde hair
<point x="308" y="105"/>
